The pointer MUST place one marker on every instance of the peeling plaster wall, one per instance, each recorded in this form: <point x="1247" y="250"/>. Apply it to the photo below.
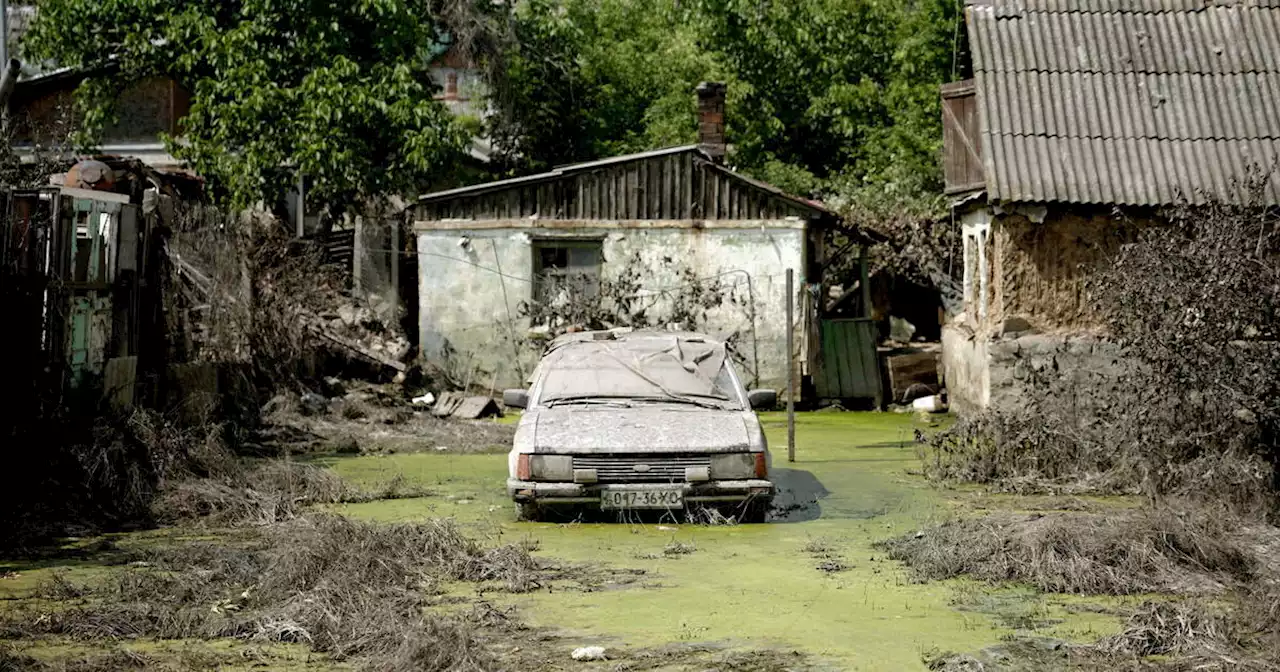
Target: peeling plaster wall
<point x="468" y="307"/>
<point x="1043" y="268"/>
<point x="1031" y="263"/>
<point x="966" y="369"/>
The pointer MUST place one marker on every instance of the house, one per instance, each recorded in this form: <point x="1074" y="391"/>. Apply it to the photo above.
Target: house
<point x="42" y="109"/>
<point x="670" y="235"/>
<point x="1085" y="119"/>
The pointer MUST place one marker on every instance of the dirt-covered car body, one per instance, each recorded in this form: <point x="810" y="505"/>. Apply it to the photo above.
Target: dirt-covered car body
<point x="639" y="420"/>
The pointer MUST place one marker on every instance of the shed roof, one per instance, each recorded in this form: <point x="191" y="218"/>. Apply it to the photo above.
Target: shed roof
<point x="585" y="167"/>
<point x="1137" y="102"/>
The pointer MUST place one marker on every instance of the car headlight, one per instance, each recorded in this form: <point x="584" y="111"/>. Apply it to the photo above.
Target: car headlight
<point x="551" y="468"/>
<point x="733" y="466"/>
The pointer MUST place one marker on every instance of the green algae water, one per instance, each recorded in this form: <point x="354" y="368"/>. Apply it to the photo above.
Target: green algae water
<point x="811" y="581"/>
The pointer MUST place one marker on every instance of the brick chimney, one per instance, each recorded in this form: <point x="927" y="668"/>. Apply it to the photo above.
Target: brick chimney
<point x="711" y="119"/>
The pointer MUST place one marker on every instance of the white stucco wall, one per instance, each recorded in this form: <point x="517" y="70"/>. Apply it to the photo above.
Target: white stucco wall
<point x="472" y="281"/>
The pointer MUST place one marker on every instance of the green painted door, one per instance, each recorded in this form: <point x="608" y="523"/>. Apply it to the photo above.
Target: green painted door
<point x="849" y="368"/>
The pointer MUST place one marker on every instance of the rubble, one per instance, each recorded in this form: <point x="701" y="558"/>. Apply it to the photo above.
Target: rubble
<point x="367" y="329"/>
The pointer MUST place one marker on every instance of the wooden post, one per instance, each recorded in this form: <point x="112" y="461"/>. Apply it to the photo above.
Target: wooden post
<point x="791" y="368"/>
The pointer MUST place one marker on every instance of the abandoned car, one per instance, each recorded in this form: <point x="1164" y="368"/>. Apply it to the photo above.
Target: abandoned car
<point x="639" y="420"/>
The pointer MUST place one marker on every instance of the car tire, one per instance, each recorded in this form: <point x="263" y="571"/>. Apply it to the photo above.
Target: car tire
<point x="754" y="512"/>
<point x="528" y="512"/>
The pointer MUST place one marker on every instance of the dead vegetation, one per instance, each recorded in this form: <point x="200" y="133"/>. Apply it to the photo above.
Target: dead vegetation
<point x="271" y="492"/>
<point x="1118" y="554"/>
<point x="371" y="419"/>
<point x="351" y="590"/>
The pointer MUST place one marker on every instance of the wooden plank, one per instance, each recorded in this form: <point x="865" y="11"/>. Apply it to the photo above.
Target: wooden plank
<point x="580" y="202"/>
<point x="686" y="182"/>
<point x="677" y="188"/>
<point x="699" y="200"/>
<point x="867" y="383"/>
<point x="823" y="382"/>
<point x="120" y="382"/>
<point x="655" y="189"/>
<point x="722" y="197"/>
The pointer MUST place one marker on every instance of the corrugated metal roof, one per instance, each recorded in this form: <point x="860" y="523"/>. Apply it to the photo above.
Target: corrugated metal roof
<point x="1137" y="102"/>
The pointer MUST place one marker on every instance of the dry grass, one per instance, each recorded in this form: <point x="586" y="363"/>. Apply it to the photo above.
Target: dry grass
<point x="270" y="492"/>
<point x="1123" y="553"/>
<point x="352" y="590"/>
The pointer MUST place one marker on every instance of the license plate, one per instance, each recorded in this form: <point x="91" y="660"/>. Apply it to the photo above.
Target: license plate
<point x="648" y="498"/>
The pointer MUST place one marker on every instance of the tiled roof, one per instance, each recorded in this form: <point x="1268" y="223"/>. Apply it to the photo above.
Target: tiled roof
<point x="1137" y="102"/>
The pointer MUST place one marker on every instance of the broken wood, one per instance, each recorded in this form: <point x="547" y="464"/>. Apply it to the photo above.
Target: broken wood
<point x="358" y="349"/>
<point x="910" y="370"/>
<point x="459" y="405"/>
<point x="474" y="408"/>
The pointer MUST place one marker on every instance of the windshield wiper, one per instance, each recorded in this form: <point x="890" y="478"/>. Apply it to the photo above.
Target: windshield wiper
<point x="692" y="401"/>
<point x="604" y="401"/>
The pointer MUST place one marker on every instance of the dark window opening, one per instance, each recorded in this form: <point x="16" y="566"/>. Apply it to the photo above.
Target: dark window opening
<point x="566" y="270"/>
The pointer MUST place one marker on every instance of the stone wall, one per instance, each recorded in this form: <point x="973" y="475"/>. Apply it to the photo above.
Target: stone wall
<point x="1085" y="362"/>
<point x="997" y="372"/>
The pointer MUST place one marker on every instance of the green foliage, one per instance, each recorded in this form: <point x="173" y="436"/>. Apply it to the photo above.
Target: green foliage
<point x="846" y="90"/>
<point x="592" y="78"/>
<point x="340" y="91"/>
<point x="833" y="97"/>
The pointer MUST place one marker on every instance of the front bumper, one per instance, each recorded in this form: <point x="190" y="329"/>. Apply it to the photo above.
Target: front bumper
<point x="577" y="493"/>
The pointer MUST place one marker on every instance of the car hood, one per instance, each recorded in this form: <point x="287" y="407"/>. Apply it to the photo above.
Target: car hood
<point x="585" y="431"/>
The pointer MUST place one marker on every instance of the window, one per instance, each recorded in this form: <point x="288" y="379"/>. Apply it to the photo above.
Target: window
<point x="563" y="270"/>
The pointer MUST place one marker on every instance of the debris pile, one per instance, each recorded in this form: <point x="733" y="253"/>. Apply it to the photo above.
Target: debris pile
<point x="367" y="329"/>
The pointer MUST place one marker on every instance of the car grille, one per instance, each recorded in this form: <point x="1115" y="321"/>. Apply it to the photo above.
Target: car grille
<point x="622" y="468"/>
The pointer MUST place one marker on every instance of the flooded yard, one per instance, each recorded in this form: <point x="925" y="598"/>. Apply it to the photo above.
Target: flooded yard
<point x="807" y="590"/>
<point x="809" y="581"/>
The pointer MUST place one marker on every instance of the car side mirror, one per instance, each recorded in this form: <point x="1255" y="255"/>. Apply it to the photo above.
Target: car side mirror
<point x="762" y="399"/>
<point x="515" y="398"/>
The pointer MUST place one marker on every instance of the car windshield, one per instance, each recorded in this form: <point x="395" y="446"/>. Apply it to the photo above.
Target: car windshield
<point x="641" y="371"/>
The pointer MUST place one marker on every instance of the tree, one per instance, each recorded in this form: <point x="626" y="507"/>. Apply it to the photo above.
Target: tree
<point x="585" y="79"/>
<point x="338" y="91"/>
<point x="834" y="95"/>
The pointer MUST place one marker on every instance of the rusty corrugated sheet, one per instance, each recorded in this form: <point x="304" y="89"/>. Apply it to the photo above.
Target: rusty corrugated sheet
<point x="1138" y="102"/>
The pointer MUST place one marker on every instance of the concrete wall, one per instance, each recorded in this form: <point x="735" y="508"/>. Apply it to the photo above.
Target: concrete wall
<point x="965" y="369"/>
<point x="472" y="281"/>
